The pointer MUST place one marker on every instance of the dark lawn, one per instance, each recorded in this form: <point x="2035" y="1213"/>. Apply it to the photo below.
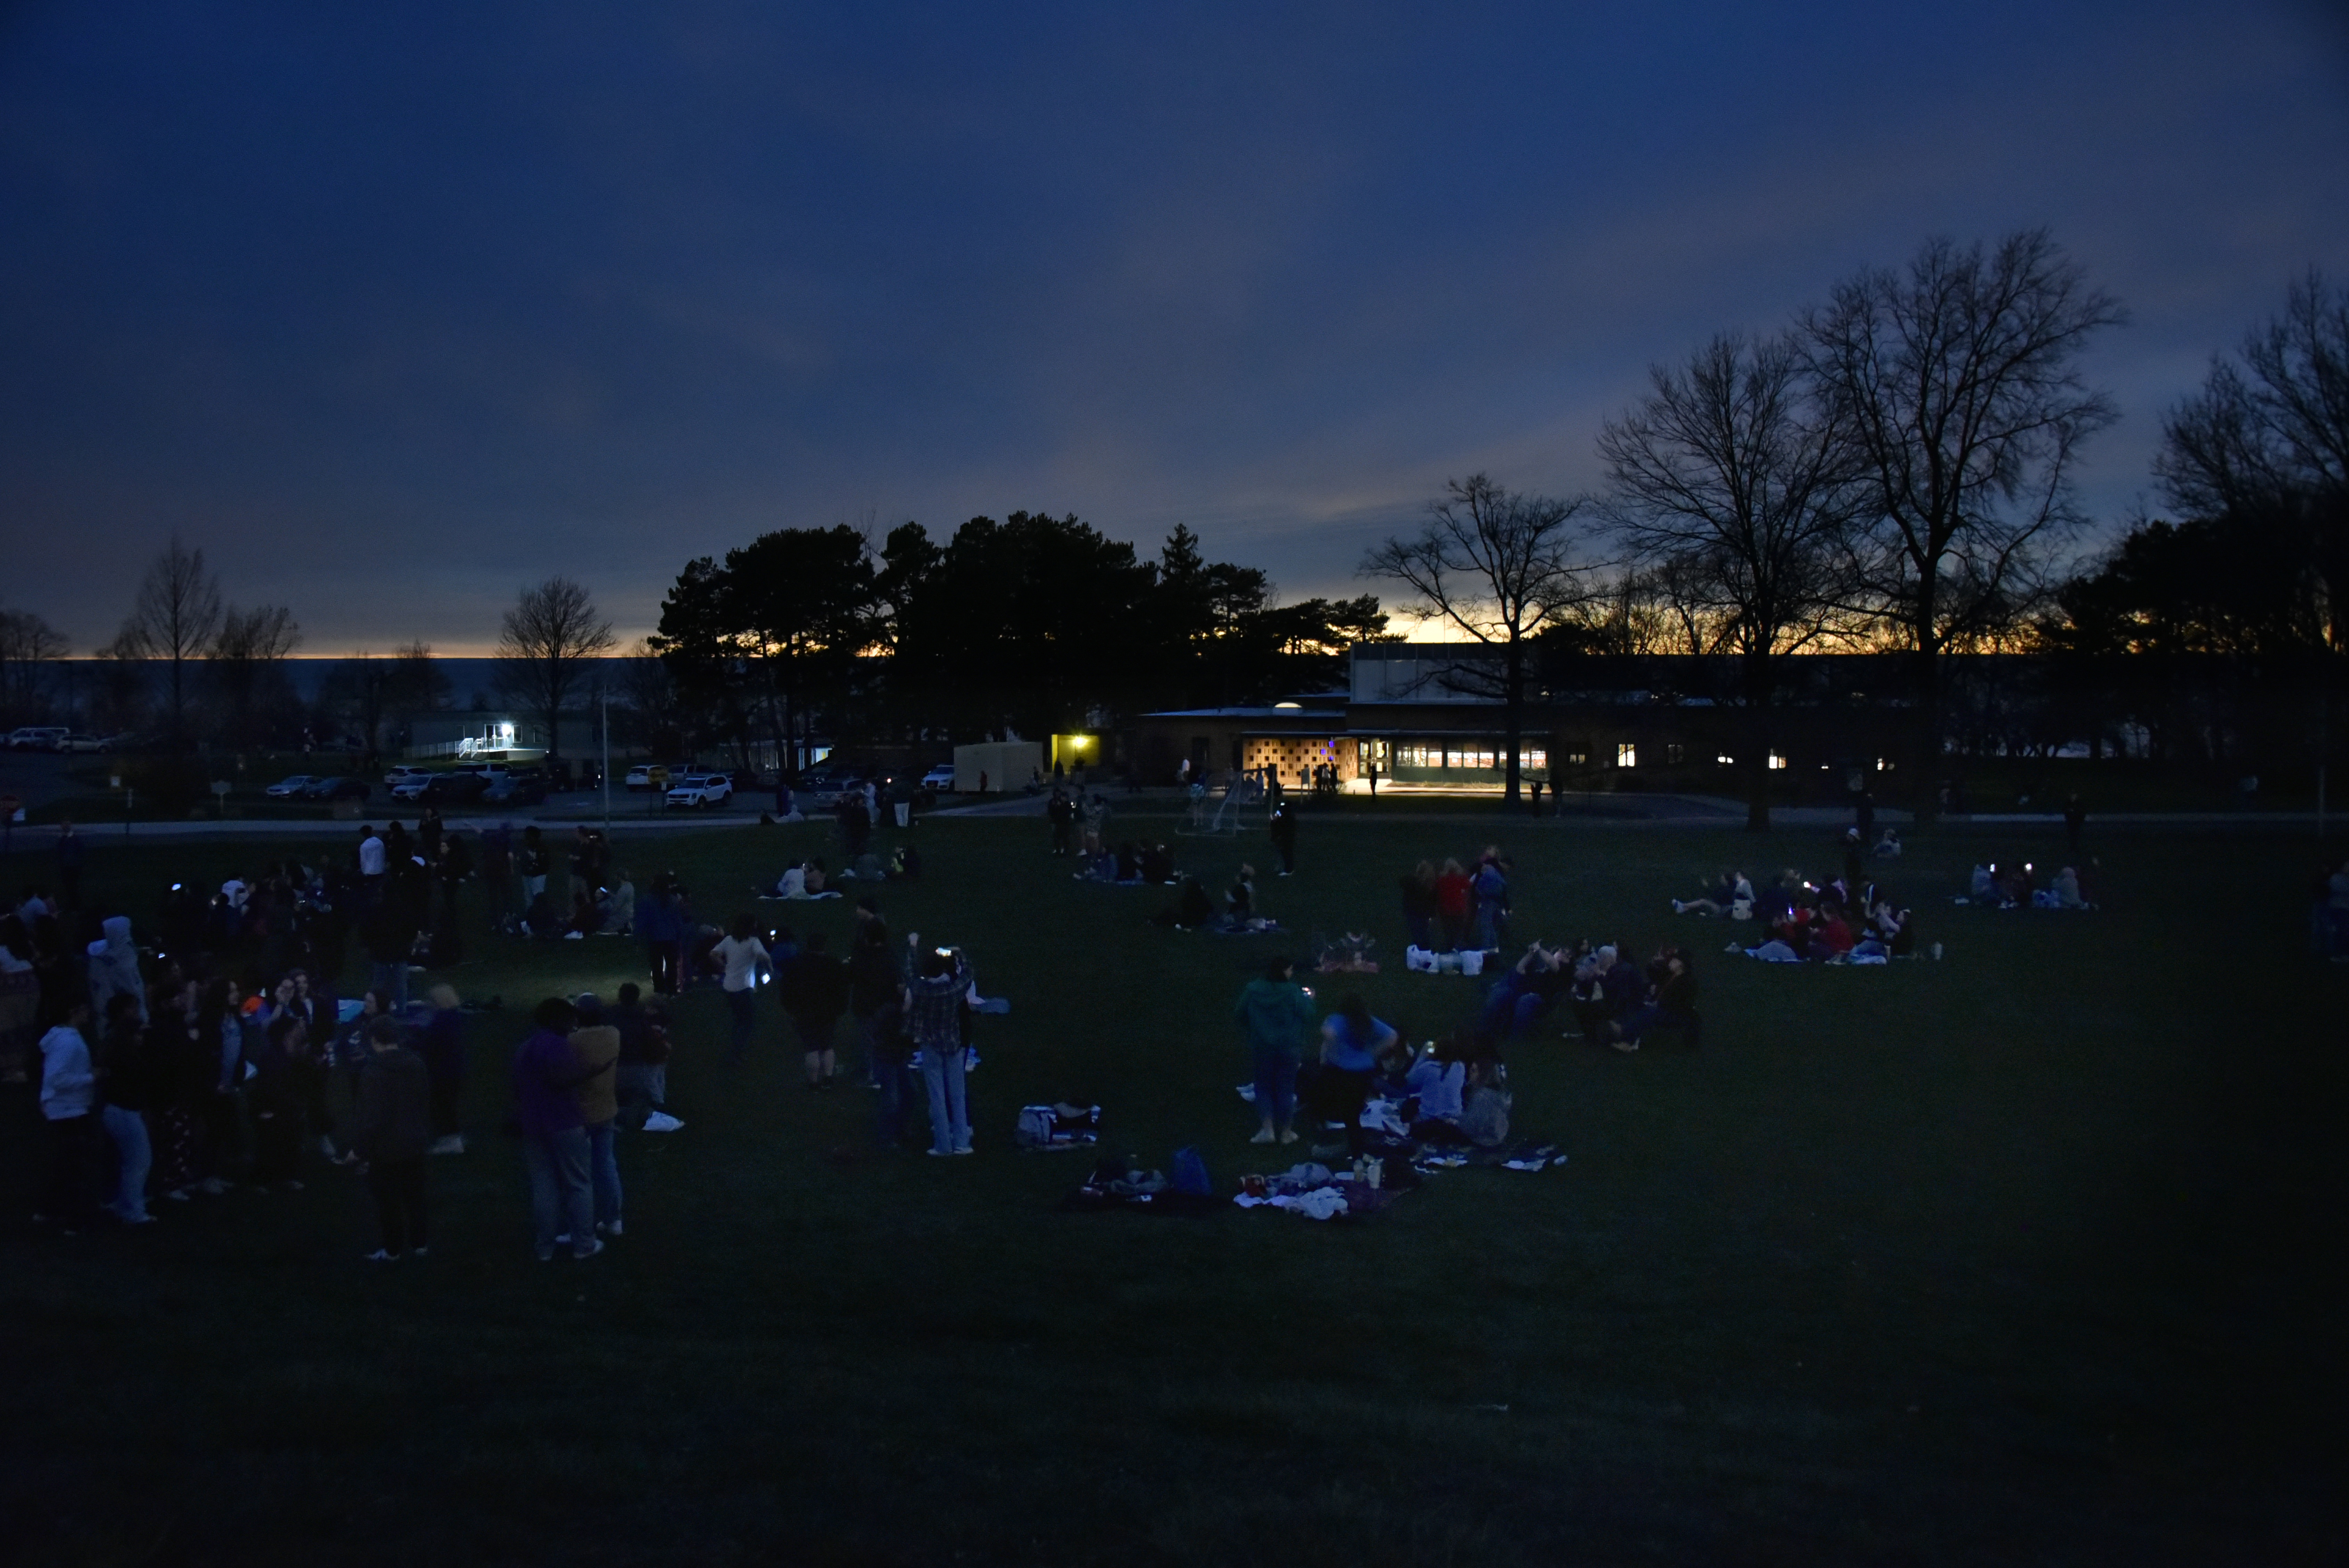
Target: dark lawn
<point x="2019" y="1257"/>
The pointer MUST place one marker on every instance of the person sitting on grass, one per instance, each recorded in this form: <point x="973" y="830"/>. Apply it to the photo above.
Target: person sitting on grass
<point x="1129" y="862"/>
<point x="1239" y="899"/>
<point x="1734" y="891"/>
<point x="1831" y="938"/>
<point x="619" y="905"/>
<point x="1671" y="1003"/>
<point x="1276" y="1016"/>
<point x="1438" y="1082"/>
<point x="1515" y="1002"/>
<point x="2066" y="890"/>
<point x="1157" y="863"/>
<point x="1351" y="1040"/>
<point x="1887" y="848"/>
<point x="1193" y="910"/>
<point x="586" y="915"/>
<point x="1886" y="934"/>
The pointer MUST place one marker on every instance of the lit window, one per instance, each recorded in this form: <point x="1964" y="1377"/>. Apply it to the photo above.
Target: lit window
<point x="1726" y="760"/>
<point x="1576" y="759"/>
<point x="1778" y="759"/>
<point x="1533" y="757"/>
<point x="1672" y="754"/>
<point x="1627" y="755"/>
<point x="1884" y="765"/>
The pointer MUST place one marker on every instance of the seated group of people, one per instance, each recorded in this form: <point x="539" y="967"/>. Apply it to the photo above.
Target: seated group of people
<point x="1817" y="931"/>
<point x="600" y="911"/>
<point x="2016" y="886"/>
<point x="1613" y="999"/>
<point x="1129" y="866"/>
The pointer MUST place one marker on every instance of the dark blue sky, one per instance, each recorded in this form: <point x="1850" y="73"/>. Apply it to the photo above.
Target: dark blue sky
<point x="395" y="307"/>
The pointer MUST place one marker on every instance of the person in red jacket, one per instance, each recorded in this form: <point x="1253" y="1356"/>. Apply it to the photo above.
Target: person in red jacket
<point x="1452" y="901"/>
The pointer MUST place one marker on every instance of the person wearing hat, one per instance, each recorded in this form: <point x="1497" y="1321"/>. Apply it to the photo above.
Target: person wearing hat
<point x="595" y="1046"/>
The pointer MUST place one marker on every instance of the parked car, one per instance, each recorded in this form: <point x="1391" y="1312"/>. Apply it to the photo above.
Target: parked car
<point x="294" y="787"/>
<point x="79" y="742"/>
<point x="942" y="776"/>
<point x="826" y="784"/>
<point x="343" y="789"/>
<point x="400" y="775"/>
<point x="37" y="737"/>
<point x="515" y="789"/>
<point x="452" y="788"/>
<point x="700" y="790"/>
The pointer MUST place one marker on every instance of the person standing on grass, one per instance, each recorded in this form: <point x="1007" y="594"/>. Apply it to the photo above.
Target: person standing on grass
<point x="113" y="964"/>
<point x="127" y="1089"/>
<point x="69" y="1090"/>
<point x="933" y="1007"/>
<point x="1283" y="829"/>
<point x="530" y="864"/>
<point x="373" y="858"/>
<point x="596" y="1045"/>
<point x="744" y="961"/>
<point x="874" y="981"/>
<point x="391" y="1130"/>
<point x="547" y="1080"/>
<point x="1276" y="1013"/>
<point x="70" y="849"/>
<point x="814" y="992"/>
<point x="282" y="1092"/>
<point x="643" y="1080"/>
<point x="444" y="1065"/>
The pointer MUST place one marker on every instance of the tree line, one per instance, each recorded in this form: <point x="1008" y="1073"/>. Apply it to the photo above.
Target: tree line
<point x="1889" y="471"/>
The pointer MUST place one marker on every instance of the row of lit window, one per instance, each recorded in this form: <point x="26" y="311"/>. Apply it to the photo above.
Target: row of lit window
<point x="1533" y="759"/>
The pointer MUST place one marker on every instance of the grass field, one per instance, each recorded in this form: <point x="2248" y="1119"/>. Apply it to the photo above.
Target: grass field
<point x="2024" y="1256"/>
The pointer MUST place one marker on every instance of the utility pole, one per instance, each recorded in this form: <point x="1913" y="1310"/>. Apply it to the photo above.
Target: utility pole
<point x="604" y="724"/>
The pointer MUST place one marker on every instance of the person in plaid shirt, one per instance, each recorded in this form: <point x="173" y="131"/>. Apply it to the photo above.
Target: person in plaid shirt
<point x="934" y="1004"/>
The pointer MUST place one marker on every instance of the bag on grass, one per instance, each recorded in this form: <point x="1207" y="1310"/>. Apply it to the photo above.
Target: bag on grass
<point x="1420" y="960"/>
<point x="1191" y="1172"/>
<point x="1472" y="962"/>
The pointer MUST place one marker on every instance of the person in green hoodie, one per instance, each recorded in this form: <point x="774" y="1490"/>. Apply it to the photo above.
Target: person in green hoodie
<point x="1278" y="1015"/>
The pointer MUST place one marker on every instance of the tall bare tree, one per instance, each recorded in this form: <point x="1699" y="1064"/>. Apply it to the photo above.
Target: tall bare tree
<point x="248" y="656"/>
<point x="548" y="639"/>
<point x="1958" y="382"/>
<point x="1501" y="567"/>
<point x="1733" y="486"/>
<point x="29" y="645"/>
<point x="173" y="620"/>
<point x="2264" y="449"/>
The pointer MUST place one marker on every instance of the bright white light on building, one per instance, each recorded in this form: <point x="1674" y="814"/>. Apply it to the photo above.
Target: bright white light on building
<point x="1627" y="755"/>
<point x="1778" y="759"/>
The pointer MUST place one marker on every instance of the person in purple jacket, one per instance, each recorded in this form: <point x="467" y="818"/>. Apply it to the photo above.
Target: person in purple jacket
<point x="547" y="1080"/>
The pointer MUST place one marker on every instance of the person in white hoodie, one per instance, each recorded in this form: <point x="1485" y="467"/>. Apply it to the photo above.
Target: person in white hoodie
<point x="113" y="962"/>
<point x="68" y="1085"/>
